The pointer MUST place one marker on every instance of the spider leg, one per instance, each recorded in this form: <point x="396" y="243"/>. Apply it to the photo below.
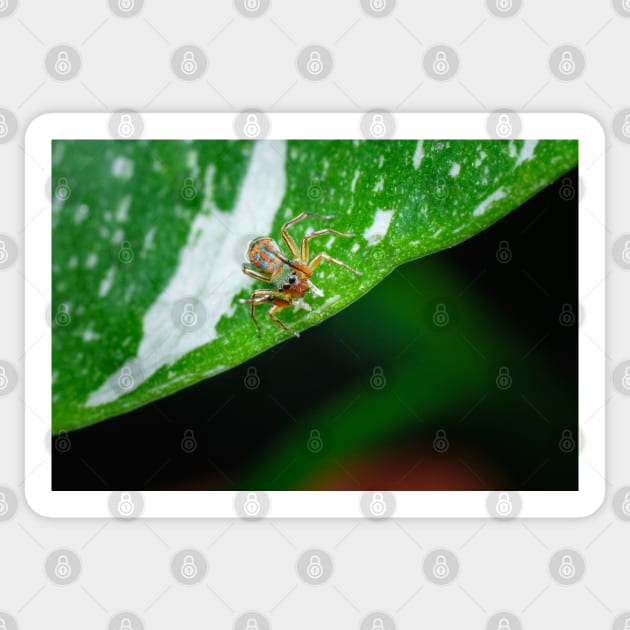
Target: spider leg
<point x="322" y="256"/>
<point x="288" y="239"/>
<point x="305" y="240"/>
<point x="273" y="310"/>
<point x="259" y="296"/>
<point x="252" y="273"/>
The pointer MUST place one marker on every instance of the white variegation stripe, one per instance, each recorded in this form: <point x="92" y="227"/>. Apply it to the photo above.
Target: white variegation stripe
<point x="207" y="267"/>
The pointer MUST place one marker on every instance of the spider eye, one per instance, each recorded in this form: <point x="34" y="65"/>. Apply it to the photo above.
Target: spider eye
<point x="291" y="279"/>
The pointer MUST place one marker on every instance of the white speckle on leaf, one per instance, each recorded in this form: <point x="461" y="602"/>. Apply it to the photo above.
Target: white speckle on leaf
<point x="381" y="161"/>
<point x="488" y="201"/>
<point x="377" y="231"/>
<point x="355" y="248"/>
<point x="353" y="183"/>
<point x="379" y="185"/>
<point x="91" y="261"/>
<point x="527" y="151"/>
<point x="122" y="167"/>
<point x="122" y="212"/>
<point x="90" y="335"/>
<point x="419" y="154"/>
<point x="454" y="172"/>
<point x="329" y="242"/>
<point x="81" y="213"/>
<point x="147" y="244"/>
<point x="512" y="147"/>
<point x="192" y="164"/>
<point x="106" y="282"/>
<point x="117" y="237"/>
<point x="202" y="272"/>
<point x="73" y="262"/>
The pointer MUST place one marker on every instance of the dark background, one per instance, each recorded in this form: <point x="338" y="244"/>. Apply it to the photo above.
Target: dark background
<point x="500" y="314"/>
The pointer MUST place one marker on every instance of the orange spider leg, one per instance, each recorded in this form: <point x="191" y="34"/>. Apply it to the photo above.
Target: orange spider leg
<point x="305" y="240"/>
<point x="257" y="275"/>
<point x="274" y="309"/>
<point x="288" y="239"/>
<point x="322" y="256"/>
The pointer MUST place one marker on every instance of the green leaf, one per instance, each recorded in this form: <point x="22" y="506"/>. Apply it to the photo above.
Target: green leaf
<point x="146" y="233"/>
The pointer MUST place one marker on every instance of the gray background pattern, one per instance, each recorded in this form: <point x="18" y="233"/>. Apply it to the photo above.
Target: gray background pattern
<point x="504" y="56"/>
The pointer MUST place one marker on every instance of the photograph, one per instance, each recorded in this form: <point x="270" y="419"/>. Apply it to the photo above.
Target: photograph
<point x="315" y="314"/>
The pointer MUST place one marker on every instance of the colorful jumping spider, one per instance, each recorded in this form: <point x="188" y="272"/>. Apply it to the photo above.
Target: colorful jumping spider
<point x="290" y="277"/>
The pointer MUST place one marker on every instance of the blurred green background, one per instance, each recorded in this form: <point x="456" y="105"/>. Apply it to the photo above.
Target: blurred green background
<point x="458" y="371"/>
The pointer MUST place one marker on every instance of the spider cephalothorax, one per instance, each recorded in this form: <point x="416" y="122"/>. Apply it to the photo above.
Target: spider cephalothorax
<point x="289" y="277"/>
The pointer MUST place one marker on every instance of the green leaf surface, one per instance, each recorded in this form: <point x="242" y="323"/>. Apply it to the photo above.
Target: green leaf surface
<point x="146" y="232"/>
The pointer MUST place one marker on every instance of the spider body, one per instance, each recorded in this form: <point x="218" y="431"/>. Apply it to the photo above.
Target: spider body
<point x="289" y="277"/>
